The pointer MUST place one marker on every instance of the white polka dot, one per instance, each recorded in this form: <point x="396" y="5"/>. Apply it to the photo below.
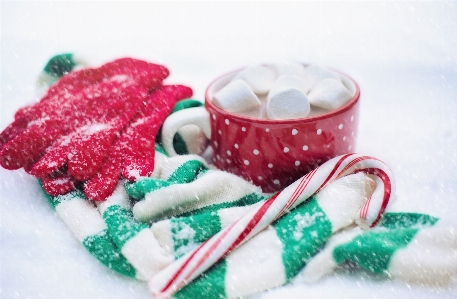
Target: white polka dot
<point x="276" y="182"/>
<point x="227" y="122"/>
<point x="214" y="116"/>
<point x="344" y="138"/>
<point x="216" y="144"/>
<point x="236" y="145"/>
<point x="328" y="145"/>
<point x="319" y="131"/>
<point x="243" y="129"/>
<point x="214" y="159"/>
<point x="349" y="147"/>
<point x="352" y="117"/>
<point x="305" y="147"/>
<point x="246" y="162"/>
<point x="260" y="178"/>
<point x="220" y="132"/>
<point x="340" y="126"/>
<point x="229" y="161"/>
<point x="286" y="149"/>
<point x="270" y="165"/>
<point x="294" y="132"/>
<point x="297" y="163"/>
<point x="256" y="152"/>
<point x="267" y="130"/>
<point x="218" y="157"/>
<point x="229" y="153"/>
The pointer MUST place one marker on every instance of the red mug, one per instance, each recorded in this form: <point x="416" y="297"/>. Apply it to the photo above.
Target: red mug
<point x="269" y="153"/>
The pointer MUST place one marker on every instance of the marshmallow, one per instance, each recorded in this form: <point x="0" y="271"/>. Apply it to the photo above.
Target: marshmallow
<point x="349" y="84"/>
<point x="289" y="68"/>
<point x="287" y="82"/>
<point x="259" y="78"/>
<point x="329" y="94"/>
<point x="315" y="73"/>
<point x="288" y="104"/>
<point x="236" y="96"/>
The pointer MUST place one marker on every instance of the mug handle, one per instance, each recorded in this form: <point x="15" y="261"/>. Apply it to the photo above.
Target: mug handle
<point x="191" y="116"/>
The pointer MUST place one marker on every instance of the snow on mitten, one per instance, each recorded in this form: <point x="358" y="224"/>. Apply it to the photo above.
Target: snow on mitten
<point x="72" y="134"/>
<point x="407" y="246"/>
<point x="275" y="255"/>
<point x="132" y="154"/>
<point x="187" y="184"/>
<point x="135" y="240"/>
<point x="78" y="99"/>
<point x="86" y="223"/>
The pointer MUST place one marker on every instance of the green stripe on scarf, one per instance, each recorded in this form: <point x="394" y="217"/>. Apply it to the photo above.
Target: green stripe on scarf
<point x="246" y="200"/>
<point x="206" y="288"/>
<point x="187" y="232"/>
<point x="302" y="231"/>
<point x="187" y="172"/>
<point x="104" y="250"/>
<point x="395" y="231"/>
<point x="406" y="220"/>
<point x="359" y="250"/>
<point x="121" y="224"/>
<point x="60" y="65"/>
<point x="139" y="189"/>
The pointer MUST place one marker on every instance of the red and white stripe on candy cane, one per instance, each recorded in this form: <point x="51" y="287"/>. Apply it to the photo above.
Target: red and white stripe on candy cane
<point x="165" y="283"/>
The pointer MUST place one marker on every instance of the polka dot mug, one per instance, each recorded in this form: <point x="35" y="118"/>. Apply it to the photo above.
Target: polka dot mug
<point x="271" y="154"/>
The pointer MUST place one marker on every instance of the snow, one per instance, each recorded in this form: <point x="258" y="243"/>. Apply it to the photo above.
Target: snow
<point x="402" y="54"/>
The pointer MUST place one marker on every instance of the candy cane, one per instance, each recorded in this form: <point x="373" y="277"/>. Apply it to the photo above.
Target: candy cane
<point x="165" y="283"/>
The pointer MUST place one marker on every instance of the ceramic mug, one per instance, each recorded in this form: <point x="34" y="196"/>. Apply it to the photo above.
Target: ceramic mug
<point x="269" y="153"/>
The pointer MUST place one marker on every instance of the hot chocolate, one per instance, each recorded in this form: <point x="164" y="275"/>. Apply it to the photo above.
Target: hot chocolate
<point x="283" y="91"/>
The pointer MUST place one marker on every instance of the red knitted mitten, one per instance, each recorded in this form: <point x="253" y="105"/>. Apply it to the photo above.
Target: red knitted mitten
<point x="91" y="119"/>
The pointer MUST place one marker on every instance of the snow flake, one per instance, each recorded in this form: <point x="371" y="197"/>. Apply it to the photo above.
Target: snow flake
<point x="304" y="221"/>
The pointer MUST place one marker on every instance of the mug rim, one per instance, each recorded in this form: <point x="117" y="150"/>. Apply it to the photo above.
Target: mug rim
<point x="355" y="98"/>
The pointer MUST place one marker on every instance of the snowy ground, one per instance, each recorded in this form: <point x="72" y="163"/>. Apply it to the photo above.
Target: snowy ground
<point x="401" y="53"/>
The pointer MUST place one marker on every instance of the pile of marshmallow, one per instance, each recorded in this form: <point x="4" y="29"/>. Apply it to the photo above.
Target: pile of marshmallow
<point x="290" y="89"/>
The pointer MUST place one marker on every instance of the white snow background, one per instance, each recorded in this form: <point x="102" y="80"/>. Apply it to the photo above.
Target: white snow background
<point x="402" y="53"/>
